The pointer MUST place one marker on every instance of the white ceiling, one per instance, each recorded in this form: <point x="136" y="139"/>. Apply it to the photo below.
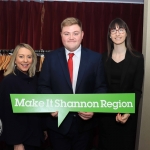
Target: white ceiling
<point x="109" y="1"/>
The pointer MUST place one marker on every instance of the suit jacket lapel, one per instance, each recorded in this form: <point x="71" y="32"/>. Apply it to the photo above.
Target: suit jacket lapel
<point x="64" y="65"/>
<point x="125" y="66"/>
<point x="82" y="67"/>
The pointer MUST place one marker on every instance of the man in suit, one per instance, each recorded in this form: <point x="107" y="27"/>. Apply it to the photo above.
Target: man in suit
<point x="86" y="76"/>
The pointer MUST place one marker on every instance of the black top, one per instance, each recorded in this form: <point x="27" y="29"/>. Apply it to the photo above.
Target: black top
<point x="19" y="128"/>
<point x="116" y="72"/>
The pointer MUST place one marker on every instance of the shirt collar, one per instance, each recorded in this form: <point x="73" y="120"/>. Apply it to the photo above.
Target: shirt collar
<point x="77" y="52"/>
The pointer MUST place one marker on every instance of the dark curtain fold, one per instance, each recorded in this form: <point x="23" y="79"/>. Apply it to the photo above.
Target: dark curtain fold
<point x="20" y="22"/>
<point x="95" y="18"/>
<point x="38" y="24"/>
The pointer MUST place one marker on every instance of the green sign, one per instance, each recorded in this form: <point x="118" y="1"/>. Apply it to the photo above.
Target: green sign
<point x="65" y="103"/>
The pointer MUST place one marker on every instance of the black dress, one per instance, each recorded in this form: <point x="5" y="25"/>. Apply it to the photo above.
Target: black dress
<point x="114" y="135"/>
<point x="19" y="128"/>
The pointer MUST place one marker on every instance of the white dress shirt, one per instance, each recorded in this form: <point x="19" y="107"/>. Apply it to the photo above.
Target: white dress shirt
<point x="76" y="64"/>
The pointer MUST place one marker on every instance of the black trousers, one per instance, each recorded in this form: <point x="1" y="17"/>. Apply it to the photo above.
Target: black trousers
<point x="73" y="140"/>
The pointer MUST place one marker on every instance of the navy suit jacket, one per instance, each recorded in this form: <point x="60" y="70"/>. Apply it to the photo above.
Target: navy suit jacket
<point x="54" y="79"/>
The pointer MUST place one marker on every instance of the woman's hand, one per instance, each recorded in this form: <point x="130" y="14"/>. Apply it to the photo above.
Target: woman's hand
<point x="45" y="135"/>
<point x="86" y="115"/>
<point x="19" y="147"/>
<point x="122" y="118"/>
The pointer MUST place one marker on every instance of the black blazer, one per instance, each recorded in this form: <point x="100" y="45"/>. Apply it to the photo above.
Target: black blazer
<point x="132" y="75"/>
<point x="19" y="128"/>
<point x="54" y="79"/>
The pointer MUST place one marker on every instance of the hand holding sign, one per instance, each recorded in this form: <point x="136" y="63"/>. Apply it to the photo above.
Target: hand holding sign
<point x="86" y="115"/>
<point x="54" y="114"/>
<point x="122" y="118"/>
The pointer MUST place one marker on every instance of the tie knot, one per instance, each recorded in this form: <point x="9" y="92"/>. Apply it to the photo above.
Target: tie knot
<point x="71" y="55"/>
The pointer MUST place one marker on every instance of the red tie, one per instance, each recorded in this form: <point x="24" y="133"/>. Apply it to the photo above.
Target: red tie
<point x="70" y="65"/>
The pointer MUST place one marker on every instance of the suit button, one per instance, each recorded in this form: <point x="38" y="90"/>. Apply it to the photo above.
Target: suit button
<point x="74" y="115"/>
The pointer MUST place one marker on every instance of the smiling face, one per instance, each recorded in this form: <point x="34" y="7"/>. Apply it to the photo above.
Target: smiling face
<point x="118" y="35"/>
<point x="23" y="59"/>
<point x="72" y="37"/>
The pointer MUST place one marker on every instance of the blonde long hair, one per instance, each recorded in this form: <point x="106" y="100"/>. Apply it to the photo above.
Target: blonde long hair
<point x="11" y="66"/>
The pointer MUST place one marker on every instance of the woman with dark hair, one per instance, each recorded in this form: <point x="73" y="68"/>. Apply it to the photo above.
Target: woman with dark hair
<point x="20" y="131"/>
<point x="124" y="69"/>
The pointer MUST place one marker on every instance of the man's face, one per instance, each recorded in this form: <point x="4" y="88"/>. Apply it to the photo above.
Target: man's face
<point x="72" y="37"/>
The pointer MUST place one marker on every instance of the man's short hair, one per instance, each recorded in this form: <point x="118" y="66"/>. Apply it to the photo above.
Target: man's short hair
<point x="71" y="21"/>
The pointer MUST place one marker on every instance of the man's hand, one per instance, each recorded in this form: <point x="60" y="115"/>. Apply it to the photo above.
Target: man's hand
<point x="54" y="114"/>
<point x="86" y="115"/>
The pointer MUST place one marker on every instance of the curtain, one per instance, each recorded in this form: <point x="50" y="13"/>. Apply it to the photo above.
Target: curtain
<point x="95" y="18"/>
<point x="20" y="22"/>
<point x="38" y="24"/>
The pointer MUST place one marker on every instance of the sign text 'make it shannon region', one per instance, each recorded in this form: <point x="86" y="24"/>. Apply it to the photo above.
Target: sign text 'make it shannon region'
<point x="65" y="103"/>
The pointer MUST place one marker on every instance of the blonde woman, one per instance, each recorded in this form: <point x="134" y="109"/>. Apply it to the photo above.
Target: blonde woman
<point x="20" y="131"/>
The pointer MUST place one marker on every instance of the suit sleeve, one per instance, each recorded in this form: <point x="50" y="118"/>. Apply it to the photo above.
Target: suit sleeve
<point x="100" y="84"/>
<point x="44" y="78"/>
<point x="138" y="81"/>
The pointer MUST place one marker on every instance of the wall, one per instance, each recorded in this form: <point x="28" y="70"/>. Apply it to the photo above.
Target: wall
<point x="144" y="134"/>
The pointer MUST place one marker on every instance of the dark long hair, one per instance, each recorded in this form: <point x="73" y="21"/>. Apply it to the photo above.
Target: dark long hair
<point x="110" y="45"/>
